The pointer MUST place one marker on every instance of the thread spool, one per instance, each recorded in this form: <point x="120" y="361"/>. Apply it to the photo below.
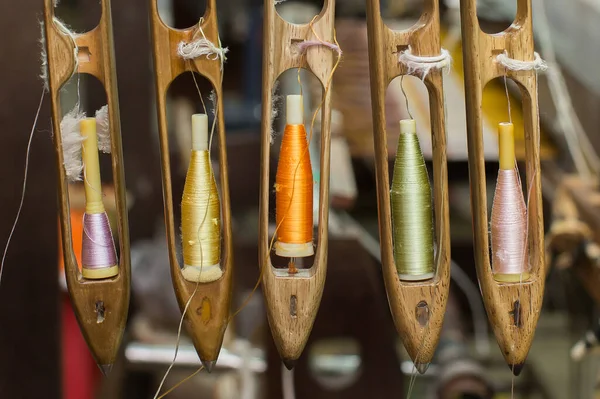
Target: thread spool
<point x="412" y="216"/>
<point x="509" y="215"/>
<point x="294" y="186"/>
<point x="98" y="254"/>
<point x="201" y="211"/>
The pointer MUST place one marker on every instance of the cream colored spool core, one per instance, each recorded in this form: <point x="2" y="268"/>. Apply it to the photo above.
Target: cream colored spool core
<point x="294" y="110"/>
<point x="96" y="274"/>
<point x="416" y="277"/>
<point x="294" y="250"/>
<point x="199" y="132"/>
<point x="408" y="126"/>
<point x="512" y="278"/>
<point x="202" y="274"/>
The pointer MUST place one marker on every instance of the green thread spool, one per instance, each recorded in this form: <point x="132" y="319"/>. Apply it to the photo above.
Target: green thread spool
<point x="412" y="216"/>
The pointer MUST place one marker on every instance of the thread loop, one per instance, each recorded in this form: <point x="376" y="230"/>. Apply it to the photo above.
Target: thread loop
<point x="306" y="44"/>
<point x="424" y="64"/>
<point x="538" y="64"/>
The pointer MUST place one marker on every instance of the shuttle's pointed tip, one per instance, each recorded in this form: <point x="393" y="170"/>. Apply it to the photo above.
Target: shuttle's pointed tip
<point x="517" y="368"/>
<point x="105" y="369"/>
<point x="421" y="367"/>
<point x="289" y="363"/>
<point x="209" y="365"/>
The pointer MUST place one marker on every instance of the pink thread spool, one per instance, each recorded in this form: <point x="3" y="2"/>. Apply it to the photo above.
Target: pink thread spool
<point x="98" y="254"/>
<point x="510" y="253"/>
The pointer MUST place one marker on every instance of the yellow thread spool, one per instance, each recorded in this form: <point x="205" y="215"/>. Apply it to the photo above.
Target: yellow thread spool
<point x="294" y="186"/>
<point x="93" y="193"/>
<point x="201" y="211"/>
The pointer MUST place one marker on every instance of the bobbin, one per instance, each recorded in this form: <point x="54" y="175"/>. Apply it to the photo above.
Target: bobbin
<point x="101" y="306"/>
<point x="293" y="300"/>
<point x="513" y="308"/>
<point x="417" y="307"/>
<point x="208" y="313"/>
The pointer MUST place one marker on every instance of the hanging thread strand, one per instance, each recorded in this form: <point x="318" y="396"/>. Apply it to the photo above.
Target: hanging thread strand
<point x="25" y="174"/>
<point x="405" y="97"/>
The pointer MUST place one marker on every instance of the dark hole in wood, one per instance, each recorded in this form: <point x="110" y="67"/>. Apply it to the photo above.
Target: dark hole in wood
<point x="402" y="47"/>
<point x="516" y="314"/>
<point x="293" y="305"/>
<point x="83" y="54"/>
<point x="100" y="312"/>
<point x="422" y="313"/>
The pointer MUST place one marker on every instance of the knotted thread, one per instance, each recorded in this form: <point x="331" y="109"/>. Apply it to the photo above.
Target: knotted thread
<point x="423" y="65"/>
<point x="201" y="47"/>
<point x="538" y="64"/>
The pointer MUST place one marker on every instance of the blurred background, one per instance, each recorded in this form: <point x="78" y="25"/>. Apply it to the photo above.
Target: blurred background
<point x="354" y="349"/>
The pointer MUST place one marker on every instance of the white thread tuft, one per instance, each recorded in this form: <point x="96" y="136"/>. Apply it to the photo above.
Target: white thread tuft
<point x="213" y="99"/>
<point x="43" y="57"/>
<point x="202" y="47"/>
<point x="198" y="48"/>
<point x="303" y="46"/>
<point x="275" y="103"/>
<point x="103" y="130"/>
<point x="538" y="64"/>
<point x="423" y="65"/>
<point x="71" y="143"/>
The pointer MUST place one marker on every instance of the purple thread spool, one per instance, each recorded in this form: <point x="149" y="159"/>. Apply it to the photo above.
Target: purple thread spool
<point x="98" y="255"/>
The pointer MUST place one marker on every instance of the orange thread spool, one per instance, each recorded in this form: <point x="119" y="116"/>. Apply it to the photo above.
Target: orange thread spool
<point x="294" y="187"/>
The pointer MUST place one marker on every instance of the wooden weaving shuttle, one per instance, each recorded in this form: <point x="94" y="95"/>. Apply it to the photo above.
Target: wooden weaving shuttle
<point x="101" y="306"/>
<point x="417" y="307"/>
<point x="208" y="313"/>
<point x="293" y="300"/>
<point x="513" y="308"/>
